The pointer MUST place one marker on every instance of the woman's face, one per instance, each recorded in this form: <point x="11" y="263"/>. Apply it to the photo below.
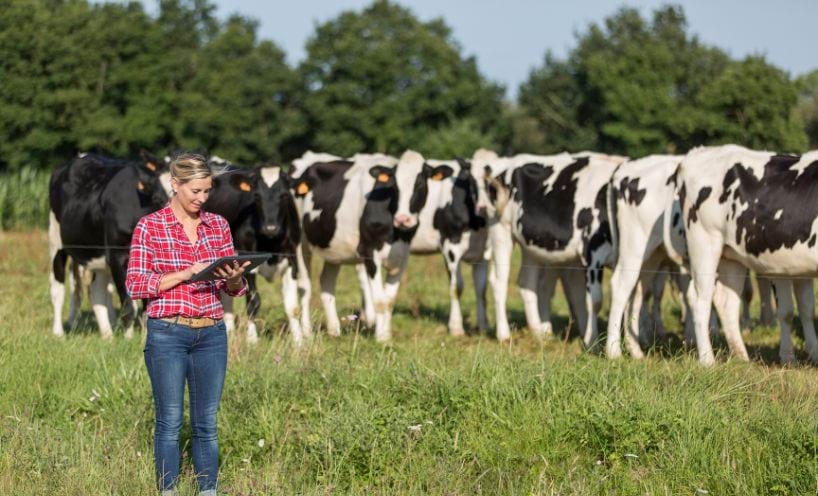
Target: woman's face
<point x="192" y="194"/>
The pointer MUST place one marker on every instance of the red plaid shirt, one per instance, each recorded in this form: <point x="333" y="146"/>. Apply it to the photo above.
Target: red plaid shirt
<point x="160" y="245"/>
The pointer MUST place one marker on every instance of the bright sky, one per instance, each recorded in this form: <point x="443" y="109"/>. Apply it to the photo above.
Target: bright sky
<point x="510" y="37"/>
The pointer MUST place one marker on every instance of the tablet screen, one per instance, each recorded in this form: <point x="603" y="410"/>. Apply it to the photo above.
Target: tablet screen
<point x="255" y="260"/>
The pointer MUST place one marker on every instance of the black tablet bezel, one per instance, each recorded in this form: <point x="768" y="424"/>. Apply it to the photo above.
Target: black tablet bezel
<point x="255" y="260"/>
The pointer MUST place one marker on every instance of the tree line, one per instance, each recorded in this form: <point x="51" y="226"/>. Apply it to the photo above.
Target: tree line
<point x="109" y="77"/>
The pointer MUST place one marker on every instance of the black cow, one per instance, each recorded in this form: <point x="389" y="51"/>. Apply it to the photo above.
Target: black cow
<point x="95" y="203"/>
<point x="259" y="207"/>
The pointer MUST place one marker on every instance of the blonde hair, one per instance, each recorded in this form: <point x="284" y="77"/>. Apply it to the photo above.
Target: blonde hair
<point x="189" y="166"/>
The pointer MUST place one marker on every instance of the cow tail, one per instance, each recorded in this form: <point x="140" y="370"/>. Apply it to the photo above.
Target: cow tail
<point x="667" y="222"/>
<point x="612" y="223"/>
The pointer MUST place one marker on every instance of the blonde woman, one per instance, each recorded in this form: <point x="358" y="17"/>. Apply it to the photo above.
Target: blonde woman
<point x="187" y="340"/>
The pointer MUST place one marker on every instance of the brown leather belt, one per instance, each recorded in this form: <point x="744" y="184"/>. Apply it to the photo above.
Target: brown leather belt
<point x="194" y="322"/>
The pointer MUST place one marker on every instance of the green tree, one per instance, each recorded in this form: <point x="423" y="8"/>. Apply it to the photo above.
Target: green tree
<point x="808" y="106"/>
<point x="637" y="87"/>
<point x="383" y="81"/>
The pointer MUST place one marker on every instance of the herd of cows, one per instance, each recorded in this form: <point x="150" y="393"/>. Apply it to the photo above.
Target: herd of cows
<point x="704" y="220"/>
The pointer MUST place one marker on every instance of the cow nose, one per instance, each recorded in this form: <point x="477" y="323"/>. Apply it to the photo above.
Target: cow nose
<point x="403" y="220"/>
<point x="269" y="229"/>
<point x="482" y="211"/>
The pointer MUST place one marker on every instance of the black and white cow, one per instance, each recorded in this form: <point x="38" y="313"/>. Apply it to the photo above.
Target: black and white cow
<point x="94" y="205"/>
<point x="258" y="205"/>
<point x="555" y="208"/>
<point x="349" y="214"/>
<point x="744" y="208"/>
<point x="447" y="223"/>
<point x="638" y="195"/>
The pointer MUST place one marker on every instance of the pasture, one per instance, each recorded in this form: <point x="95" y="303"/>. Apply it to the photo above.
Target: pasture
<point x="428" y="414"/>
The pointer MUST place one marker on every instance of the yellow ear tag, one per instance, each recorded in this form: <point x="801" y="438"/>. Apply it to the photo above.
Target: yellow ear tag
<point x="383" y="178"/>
<point x="140" y="186"/>
<point x="438" y="176"/>
<point x="303" y="189"/>
<point x="151" y="166"/>
<point x="245" y="187"/>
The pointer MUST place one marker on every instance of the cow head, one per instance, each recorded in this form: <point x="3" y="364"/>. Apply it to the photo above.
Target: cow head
<point x="275" y="208"/>
<point x="412" y="174"/>
<point x="151" y="164"/>
<point x="465" y="196"/>
<point x="486" y="166"/>
<point x="152" y="175"/>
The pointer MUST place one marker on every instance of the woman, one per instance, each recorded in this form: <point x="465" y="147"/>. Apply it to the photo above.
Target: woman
<point x="186" y="339"/>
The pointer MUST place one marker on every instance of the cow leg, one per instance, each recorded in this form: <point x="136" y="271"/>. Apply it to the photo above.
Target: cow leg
<point x="366" y="296"/>
<point x="501" y="247"/>
<point x="480" y="278"/>
<point x="593" y="303"/>
<point x="99" y="291"/>
<point x="784" y="312"/>
<point x="289" y="288"/>
<point x="329" y="276"/>
<point x="805" y="297"/>
<point x="528" y="280"/>
<point x="766" y="298"/>
<point x="253" y="304"/>
<point x="703" y="267"/>
<point x="303" y="261"/>
<point x="746" y="300"/>
<point x="573" y="284"/>
<point x="75" y="288"/>
<point x="547" y="286"/>
<point x="397" y="256"/>
<point x="623" y="281"/>
<point x="229" y="313"/>
<point x="727" y="300"/>
<point x="451" y="255"/>
<point x="657" y="291"/>
<point x="118" y="264"/>
<point x="58" y="259"/>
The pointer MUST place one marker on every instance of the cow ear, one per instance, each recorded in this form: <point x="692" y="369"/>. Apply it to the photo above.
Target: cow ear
<point x="242" y="182"/>
<point x="464" y="164"/>
<point x="382" y="174"/>
<point x="441" y="172"/>
<point x="301" y="186"/>
<point x="428" y="170"/>
<point x="151" y="162"/>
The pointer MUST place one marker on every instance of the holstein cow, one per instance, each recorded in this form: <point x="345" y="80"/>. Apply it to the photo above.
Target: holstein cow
<point x="260" y="209"/>
<point x="95" y="203"/>
<point x="637" y="199"/>
<point x="744" y="208"/>
<point x="348" y="212"/>
<point x="447" y="223"/>
<point x="555" y="208"/>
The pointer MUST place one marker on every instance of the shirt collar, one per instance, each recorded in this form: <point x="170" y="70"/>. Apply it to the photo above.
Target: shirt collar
<point x="207" y="218"/>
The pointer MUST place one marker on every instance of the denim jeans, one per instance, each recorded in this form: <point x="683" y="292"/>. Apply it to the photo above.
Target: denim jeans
<point x="174" y="354"/>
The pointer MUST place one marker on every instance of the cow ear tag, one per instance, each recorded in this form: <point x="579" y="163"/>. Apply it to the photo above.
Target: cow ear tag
<point x="140" y="186"/>
<point x="245" y="187"/>
<point x="383" y="178"/>
<point x="438" y="176"/>
<point x="303" y="189"/>
<point x="151" y="166"/>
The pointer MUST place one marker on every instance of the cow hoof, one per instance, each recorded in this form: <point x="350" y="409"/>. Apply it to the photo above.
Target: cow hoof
<point x="707" y="361"/>
<point x="457" y="331"/>
<point x="384" y="338"/>
<point x="787" y="359"/>
<point x="108" y="337"/>
<point x="613" y="353"/>
<point x="129" y="334"/>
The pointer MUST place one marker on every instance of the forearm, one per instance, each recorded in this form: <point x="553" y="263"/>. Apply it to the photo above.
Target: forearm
<point x="173" y="279"/>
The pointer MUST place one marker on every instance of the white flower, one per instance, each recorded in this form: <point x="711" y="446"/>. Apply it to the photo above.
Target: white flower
<point x="415" y="428"/>
<point x="261" y="443"/>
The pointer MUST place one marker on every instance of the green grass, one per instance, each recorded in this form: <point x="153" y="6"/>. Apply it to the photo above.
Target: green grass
<point x="24" y="199"/>
<point x="429" y="414"/>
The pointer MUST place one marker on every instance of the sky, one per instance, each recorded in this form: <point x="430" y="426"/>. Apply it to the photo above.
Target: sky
<point x="510" y="37"/>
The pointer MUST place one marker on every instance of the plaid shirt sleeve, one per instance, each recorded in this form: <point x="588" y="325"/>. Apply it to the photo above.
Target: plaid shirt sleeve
<point x="141" y="281"/>
<point x="225" y="250"/>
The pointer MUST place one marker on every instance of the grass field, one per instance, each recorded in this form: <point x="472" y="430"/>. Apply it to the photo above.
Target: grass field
<point x="429" y="414"/>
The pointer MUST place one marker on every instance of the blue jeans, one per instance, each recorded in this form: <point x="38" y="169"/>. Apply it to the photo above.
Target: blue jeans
<point x="174" y="354"/>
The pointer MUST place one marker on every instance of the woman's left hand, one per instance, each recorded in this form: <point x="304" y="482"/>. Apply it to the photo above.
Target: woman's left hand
<point x="232" y="273"/>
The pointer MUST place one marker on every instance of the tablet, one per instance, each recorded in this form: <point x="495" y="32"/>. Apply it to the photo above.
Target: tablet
<point x="255" y="260"/>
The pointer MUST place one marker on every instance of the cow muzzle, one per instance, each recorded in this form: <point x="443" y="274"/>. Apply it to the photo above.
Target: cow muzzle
<point x="403" y="221"/>
<point x="270" y="230"/>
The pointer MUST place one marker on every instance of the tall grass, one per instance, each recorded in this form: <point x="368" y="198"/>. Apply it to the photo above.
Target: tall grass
<point x="24" y="199"/>
<point x="429" y="414"/>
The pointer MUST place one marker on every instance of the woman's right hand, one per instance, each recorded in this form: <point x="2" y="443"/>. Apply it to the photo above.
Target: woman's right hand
<point x="195" y="269"/>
